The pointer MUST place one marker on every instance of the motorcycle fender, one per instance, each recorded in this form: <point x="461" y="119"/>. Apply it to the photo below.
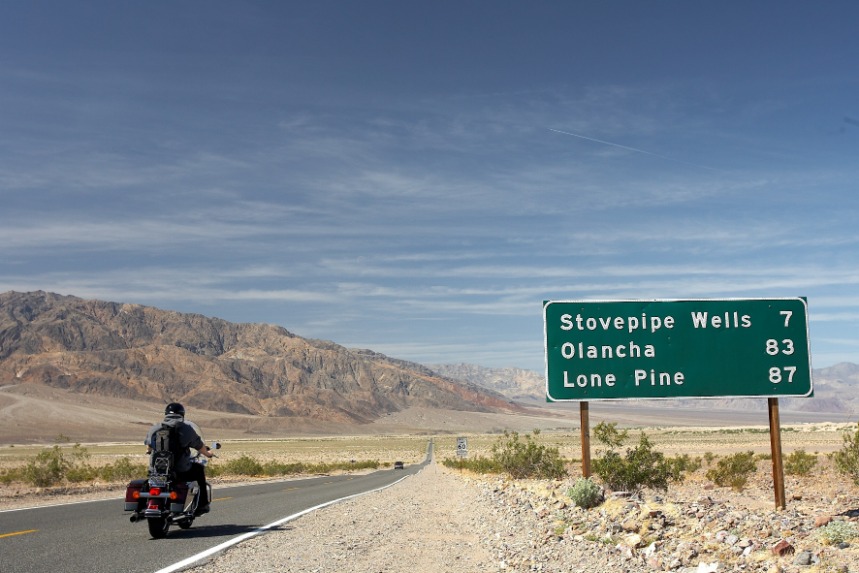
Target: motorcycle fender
<point x="154" y="508"/>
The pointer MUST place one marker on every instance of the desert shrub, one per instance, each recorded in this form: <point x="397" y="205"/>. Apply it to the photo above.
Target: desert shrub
<point x="360" y="465"/>
<point x="684" y="463"/>
<point x="122" y="469"/>
<point x="799" y="463"/>
<point x="479" y="464"/>
<point x="80" y="470"/>
<point x="81" y="473"/>
<point x="640" y="468"/>
<point x="214" y="470"/>
<point x="733" y="470"/>
<point x="836" y="532"/>
<point x="243" y="466"/>
<point x="709" y="457"/>
<point x="585" y="493"/>
<point x="281" y="468"/>
<point x="526" y="458"/>
<point x="48" y="468"/>
<point x="56" y="465"/>
<point x="248" y="466"/>
<point x="609" y="435"/>
<point x="11" y="475"/>
<point x="322" y="468"/>
<point x="332" y="466"/>
<point x="847" y="458"/>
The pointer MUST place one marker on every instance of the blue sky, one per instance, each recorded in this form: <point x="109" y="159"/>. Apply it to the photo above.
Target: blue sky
<point x="417" y="177"/>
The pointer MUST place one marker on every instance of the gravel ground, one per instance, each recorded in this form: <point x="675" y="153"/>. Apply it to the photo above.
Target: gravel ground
<point x="441" y="520"/>
<point x="429" y="522"/>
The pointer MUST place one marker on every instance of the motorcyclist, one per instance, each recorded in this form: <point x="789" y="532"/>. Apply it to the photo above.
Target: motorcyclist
<point x="174" y="417"/>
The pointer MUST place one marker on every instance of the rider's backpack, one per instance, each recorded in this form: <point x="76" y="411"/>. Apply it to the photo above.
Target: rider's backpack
<point x="165" y="452"/>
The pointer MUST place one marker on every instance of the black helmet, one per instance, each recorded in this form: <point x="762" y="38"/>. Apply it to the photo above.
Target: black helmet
<point x="175" y="408"/>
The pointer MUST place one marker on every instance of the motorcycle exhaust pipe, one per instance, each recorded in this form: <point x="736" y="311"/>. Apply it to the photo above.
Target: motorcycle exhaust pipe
<point x="135" y="517"/>
<point x="182" y="517"/>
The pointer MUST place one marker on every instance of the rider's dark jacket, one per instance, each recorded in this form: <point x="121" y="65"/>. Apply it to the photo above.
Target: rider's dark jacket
<point x="188" y="438"/>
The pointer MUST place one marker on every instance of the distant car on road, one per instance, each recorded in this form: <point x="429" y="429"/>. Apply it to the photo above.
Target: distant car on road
<point x="398" y="466"/>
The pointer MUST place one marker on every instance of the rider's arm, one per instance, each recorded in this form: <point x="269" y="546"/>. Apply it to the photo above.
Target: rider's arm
<point x="193" y="440"/>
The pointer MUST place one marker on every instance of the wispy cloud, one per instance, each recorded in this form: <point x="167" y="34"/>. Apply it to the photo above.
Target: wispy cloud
<point x="425" y="212"/>
<point x="628" y="148"/>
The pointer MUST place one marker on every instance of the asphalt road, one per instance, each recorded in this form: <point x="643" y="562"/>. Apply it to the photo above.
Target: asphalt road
<point x="97" y="537"/>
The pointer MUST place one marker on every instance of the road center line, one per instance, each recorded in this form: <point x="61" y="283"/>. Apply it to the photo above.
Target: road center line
<point x="24" y="532"/>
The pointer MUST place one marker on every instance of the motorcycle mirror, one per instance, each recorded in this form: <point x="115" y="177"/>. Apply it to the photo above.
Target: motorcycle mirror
<point x="216" y="446"/>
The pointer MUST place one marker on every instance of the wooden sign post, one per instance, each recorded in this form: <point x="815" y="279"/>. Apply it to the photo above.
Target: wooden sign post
<point x="775" y="448"/>
<point x="584" y="413"/>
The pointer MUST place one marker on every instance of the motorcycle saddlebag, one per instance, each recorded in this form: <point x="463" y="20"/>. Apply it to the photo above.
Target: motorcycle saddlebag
<point x="132" y="494"/>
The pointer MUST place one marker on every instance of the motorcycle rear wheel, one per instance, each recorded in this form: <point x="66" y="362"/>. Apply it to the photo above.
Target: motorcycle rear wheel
<point x="158" y="527"/>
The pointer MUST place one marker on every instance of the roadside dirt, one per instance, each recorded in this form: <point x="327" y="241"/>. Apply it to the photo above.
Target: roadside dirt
<point x="445" y="520"/>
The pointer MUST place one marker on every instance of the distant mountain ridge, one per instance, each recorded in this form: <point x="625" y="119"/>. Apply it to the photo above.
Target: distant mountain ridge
<point x="514" y="383"/>
<point x="836" y="388"/>
<point x="130" y="351"/>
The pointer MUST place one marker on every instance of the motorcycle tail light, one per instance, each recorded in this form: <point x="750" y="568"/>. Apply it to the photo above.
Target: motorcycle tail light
<point x="135" y="494"/>
<point x="181" y="491"/>
<point x="174" y="496"/>
<point x="155" y="491"/>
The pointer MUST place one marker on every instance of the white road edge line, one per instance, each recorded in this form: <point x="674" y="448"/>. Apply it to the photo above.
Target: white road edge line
<point x="236" y="540"/>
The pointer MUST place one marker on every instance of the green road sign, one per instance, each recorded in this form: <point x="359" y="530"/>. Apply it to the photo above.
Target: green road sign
<point x="608" y="350"/>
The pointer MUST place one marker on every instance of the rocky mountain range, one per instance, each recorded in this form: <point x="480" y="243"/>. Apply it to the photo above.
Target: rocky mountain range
<point x="67" y="360"/>
<point x="129" y="351"/>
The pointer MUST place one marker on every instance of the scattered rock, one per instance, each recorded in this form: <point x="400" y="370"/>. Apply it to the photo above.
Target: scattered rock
<point x="803" y="558"/>
<point x="783" y="548"/>
<point x="633" y="540"/>
<point x="822" y="520"/>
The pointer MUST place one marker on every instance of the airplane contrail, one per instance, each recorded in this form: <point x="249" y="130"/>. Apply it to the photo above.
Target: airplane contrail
<point x="631" y="148"/>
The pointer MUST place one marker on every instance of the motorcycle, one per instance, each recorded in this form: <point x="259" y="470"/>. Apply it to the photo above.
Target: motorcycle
<point x="163" y="500"/>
